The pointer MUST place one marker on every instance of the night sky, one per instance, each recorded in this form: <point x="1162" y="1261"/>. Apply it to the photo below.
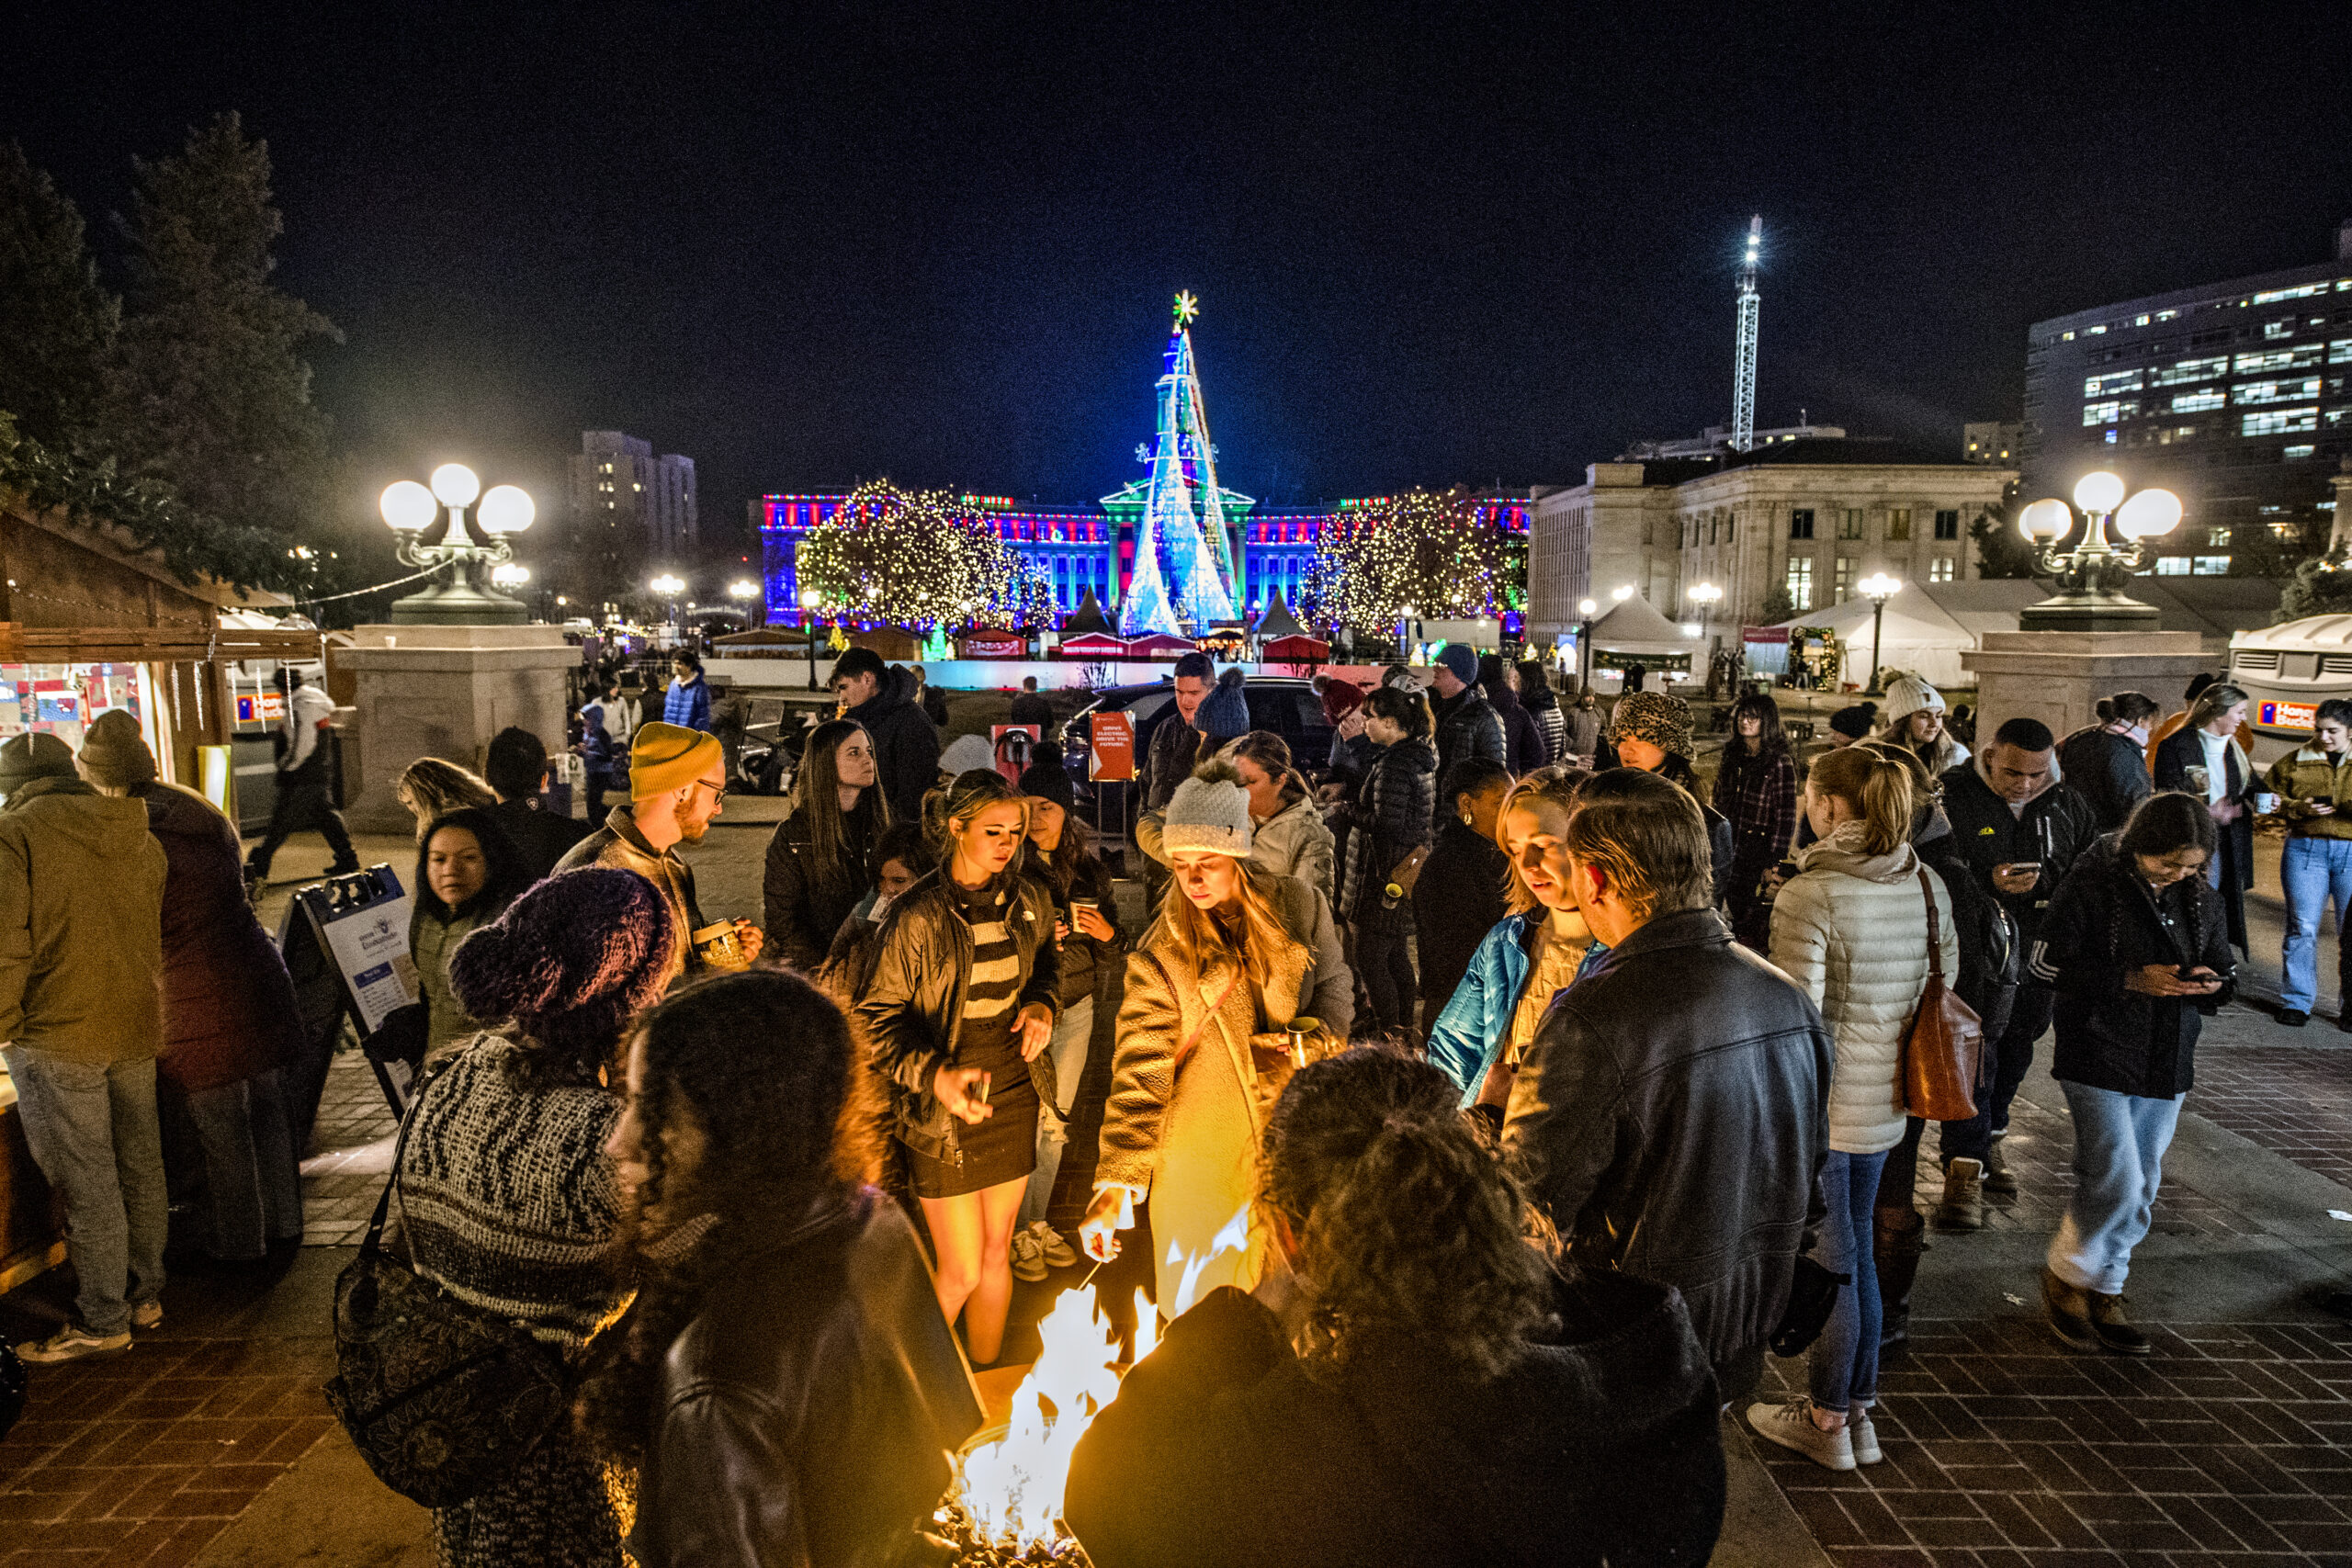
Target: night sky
<point x="806" y="244"/>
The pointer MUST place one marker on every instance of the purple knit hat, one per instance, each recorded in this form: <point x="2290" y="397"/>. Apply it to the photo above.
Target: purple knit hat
<point x="573" y="959"/>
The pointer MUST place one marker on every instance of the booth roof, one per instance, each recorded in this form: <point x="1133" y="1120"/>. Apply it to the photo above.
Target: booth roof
<point x="1634" y="626"/>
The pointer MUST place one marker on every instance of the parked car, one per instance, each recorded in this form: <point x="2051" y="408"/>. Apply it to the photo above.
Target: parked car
<point x="1286" y="705"/>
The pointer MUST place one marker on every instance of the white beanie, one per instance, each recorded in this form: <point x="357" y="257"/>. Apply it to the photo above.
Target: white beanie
<point x="1907" y="695"/>
<point x="1209" y="811"/>
<point x="966" y="753"/>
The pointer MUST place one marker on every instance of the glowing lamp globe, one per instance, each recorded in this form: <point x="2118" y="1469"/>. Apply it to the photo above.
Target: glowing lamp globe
<point x="509" y="575"/>
<point x="2045" y="519"/>
<point x="1586" y="607"/>
<point x="742" y="589"/>
<point x="506" y="509"/>
<point x="409" y="507"/>
<point x="2099" y="491"/>
<point x="1692" y="628"/>
<point x="455" y="485"/>
<point x="2148" y="513"/>
<point x="1878" y="585"/>
<point x="1621" y="594"/>
<point x="667" y="586"/>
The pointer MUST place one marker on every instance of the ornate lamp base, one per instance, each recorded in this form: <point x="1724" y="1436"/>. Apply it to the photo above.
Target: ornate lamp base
<point x="2090" y="612"/>
<point x="458" y="603"/>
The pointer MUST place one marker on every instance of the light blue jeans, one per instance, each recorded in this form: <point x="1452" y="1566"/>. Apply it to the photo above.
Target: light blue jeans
<point x="2310" y="870"/>
<point x="1072" y="1031"/>
<point x="92" y="1130"/>
<point x="1843" y="1370"/>
<point x="2120" y="1143"/>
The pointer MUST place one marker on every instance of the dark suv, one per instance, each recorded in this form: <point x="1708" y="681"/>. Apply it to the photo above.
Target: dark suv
<point x="1286" y="705"/>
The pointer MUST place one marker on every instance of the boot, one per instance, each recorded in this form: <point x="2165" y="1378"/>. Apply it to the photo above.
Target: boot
<point x="2114" y="1330"/>
<point x="1961" y="1207"/>
<point x="1897" y="1238"/>
<point x="1997" y="1181"/>
<point x="2070" y="1312"/>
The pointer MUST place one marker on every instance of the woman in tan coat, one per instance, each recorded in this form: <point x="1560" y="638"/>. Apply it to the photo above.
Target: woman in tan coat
<point x="1235" y="956"/>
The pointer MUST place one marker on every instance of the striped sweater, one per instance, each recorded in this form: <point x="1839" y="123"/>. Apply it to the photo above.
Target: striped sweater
<point x="509" y="1199"/>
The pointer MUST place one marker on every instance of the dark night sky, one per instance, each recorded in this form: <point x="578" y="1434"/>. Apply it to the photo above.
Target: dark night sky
<point x="808" y="243"/>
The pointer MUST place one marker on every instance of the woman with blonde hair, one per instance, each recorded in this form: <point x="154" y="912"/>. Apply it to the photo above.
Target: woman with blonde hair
<point x="1854" y="927"/>
<point x="957" y="1015"/>
<point x="1235" y="959"/>
<point x="431" y="788"/>
<point x="1533" y="953"/>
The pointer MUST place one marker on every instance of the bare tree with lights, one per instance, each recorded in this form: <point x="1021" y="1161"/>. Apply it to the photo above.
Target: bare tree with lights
<point x="919" y="558"/>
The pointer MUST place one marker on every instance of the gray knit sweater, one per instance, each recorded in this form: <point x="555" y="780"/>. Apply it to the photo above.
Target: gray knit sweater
<point x="509" y="1196"/>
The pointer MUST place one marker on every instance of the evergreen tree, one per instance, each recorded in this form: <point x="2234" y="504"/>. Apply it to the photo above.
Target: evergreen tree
<point x="1780" y="605"/>
<point x="1431" y="551"/>
<point x="209" y="389"/>
<point x="2001" y="550"/>
<point x="2321" y="586"/>
<point x="57" y="323"/>
<point x="920" y="558"/>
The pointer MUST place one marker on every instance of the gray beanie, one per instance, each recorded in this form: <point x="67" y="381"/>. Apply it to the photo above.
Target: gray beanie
<point x="1209" y="811"/>
<point x="966" y="753"/>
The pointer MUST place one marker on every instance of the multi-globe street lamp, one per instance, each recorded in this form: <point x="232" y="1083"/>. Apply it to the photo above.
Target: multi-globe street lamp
<point x="1877" y="588"/>
<point x="669" y="586"/>
<point x="456" y="524"/>
<point x="2091" y="575"/>
<point x="1585" y="611"/>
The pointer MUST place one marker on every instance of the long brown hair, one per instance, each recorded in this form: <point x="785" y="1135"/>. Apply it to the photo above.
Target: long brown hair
<point x="816" y="795"/>
<point x="1198" y="937"/>
<point x="960" y="799"/>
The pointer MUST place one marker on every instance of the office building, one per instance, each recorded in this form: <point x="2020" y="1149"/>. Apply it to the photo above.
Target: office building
<point x="1991" y="443"/>
<point x="2232" y="395"/>
<point x="631" y="512"/>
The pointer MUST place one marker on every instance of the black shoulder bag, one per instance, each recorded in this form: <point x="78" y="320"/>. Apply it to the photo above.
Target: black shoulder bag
<point x="442" y="1399"/>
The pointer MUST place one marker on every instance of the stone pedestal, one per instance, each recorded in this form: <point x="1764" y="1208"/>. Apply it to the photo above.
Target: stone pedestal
<point x="444" y="691"/>
<point x="2056" y="676"/>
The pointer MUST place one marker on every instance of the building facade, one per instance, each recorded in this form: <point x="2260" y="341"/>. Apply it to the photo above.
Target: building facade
<point x="629" y="510"/>
<point x="1811" y="519"/>
<point x="1992" y="442"/>
<point x="2232" y="395"/>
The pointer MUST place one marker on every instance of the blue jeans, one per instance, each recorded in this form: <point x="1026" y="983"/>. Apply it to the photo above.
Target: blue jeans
<point x="1067" y="1049"/>
<point x="1844" y="1366"/>
<point x="252" y="1184"/>
<point x="2120" y="1143"/>
<point x="92" y="1130"/>
<point x="2310" y="870"/>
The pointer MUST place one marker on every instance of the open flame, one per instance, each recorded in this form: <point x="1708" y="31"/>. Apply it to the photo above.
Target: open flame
<point x="1012" y="1487"/>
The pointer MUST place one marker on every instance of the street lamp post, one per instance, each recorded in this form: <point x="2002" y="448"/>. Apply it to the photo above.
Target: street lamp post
<point x="434" y="530"/>
<point x="1877" y="588"/>
<point x="1412" y="628"/>
<point x="1584" y="610"/>
<point x="1706" y="595"/>
<point x="809" y="599"/>
<point x="744" y="591"/>
<point x="2091" y="575"/>
<point x="669" y="587"/>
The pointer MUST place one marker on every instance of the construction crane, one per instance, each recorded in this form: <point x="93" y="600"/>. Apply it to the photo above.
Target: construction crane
<point x="1743" y="373"/>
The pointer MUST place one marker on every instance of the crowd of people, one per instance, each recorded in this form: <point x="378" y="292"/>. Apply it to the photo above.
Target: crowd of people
<point x="1504" y="1091"/>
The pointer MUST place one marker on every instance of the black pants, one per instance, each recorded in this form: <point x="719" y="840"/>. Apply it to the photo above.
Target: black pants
<point x="597" y="784"/>
<point x="302" y="803"/>
<point x="1385" y="964"/>
<point x="2012" y="1059"/>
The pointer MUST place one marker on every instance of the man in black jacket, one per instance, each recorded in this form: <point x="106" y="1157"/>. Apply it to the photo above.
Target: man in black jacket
<point x="1672" y="1111"/>
<point x="1168" y="756"/>
<point x="906" y="746"/>
<point x="516" y="768"/>
<point x="2020" y="828"/>
<point x="1467" y="724"/>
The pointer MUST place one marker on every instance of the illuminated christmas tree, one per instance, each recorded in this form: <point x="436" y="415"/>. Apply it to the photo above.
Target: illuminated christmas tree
<point x="919" y="558"/>
<point x="1183" y="553"/>
<point x="1432" y="552"/>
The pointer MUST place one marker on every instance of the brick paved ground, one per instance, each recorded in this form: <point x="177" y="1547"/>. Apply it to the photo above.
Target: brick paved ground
<point x="2293" y="1100"/>
<point x="341" y="1184"/>
<point x="142" y="1458"/>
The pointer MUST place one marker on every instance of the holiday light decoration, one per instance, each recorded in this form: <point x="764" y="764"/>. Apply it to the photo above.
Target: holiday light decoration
<point x="1183" y="571"/>
<point x="1432" y="551"/>
<point x="919" y="558"/>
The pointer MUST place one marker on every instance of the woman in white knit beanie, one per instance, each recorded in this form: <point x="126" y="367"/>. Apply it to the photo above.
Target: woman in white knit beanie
<point x="1914" y="719"/>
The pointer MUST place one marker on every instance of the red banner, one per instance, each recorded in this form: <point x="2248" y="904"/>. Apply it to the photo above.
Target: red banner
<point x="1112" y="757"/>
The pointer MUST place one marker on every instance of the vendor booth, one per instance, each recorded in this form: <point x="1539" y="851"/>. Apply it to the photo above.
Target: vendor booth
<point x="1633" y="633"/>
<point x="1916" y="635"/>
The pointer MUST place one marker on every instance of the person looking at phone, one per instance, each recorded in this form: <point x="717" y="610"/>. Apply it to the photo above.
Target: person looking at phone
<point x="2316" y="864"/>
<point x="2020" y="827"/>
<point x="2202" y="759"/>
<point x="2136" y="948"/>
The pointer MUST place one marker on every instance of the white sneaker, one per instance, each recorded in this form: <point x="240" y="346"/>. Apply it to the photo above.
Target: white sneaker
<point x="72" y="1343"/>
<point x="1791" y="1425"/>
<point x="1865" y="1436"/>
<point x="1057" y="1251"/>
<point x="1028" y="1256"/>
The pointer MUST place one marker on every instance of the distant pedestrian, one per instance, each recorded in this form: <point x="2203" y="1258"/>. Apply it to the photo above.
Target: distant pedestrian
<point x="2137" y="948"/>
<point x="1389" y="822"/>
<point x="905" y="745"/>
<point x="730" y="714"/>
<point x="2107" y="760"/>
<point x="687" y="702"/>
<point x="1522" y="737"/>
<point x="602" y="754"/>
<point x="432" y="787"/>
<point x="1585" y="723"/>
<point x="305" y="779"/>
<point x="1853" y="723"/>
<point x="81" y="1007"/>
<point x="1756" y="789"/>
<point x="506" y="1193"/>
<point x="2204" y="758"/>
<point x="1028" y="708"/>
<point x="2314" y="783"/>
<point x="231" y="1023"/>
<point x="1459" y="895"/>
<point x="1535" y="694"/>
<point x="928" y="697"/>
<point x="468" y="872"/>
<point x="515" y="767"/>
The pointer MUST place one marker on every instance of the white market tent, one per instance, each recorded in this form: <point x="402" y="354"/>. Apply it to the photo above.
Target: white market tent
<point x="1919" y="635"/>
<point x="1632" y="629"/>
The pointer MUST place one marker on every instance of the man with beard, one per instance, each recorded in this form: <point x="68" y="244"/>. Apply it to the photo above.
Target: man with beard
<point x="676" y="786"/>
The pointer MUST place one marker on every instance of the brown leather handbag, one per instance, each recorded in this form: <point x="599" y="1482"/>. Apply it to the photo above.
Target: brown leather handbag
<point x="1945" y="1043"/>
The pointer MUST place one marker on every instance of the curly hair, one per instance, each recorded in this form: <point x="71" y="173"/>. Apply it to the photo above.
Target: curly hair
<point x="1409" y="1225"/>
<point x="758" y="1062"/>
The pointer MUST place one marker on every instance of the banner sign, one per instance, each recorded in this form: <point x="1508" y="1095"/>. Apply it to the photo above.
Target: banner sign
<point x="1113" y="756"/>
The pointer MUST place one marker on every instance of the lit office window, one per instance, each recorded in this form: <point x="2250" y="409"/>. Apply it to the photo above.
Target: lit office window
<point x="2340" y="351"/>
<point x="2292" y="453"/>
<point x="1799" y="582"/>
<point x="2190" y="370"/>
<point x="2197" y="403"/>
<point x="2172" y="566"/>
<point x="2275" y="391"/>
<point x="1844" y="587"/>
<point x="2110" y="412"/>
<point x="2278" y="359"/>
<point x="2217" y="539"/>
<point x="2208" y="566"/>
<point x="2279" y="421"/>
<point x="2111" y="383"/>
<point x="1940" y="569"/>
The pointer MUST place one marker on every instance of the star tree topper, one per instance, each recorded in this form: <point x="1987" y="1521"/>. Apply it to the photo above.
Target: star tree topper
<point x="1187" y="306"/>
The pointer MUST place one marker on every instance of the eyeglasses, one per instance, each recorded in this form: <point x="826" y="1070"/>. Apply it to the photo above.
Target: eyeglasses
<point x="718" y="791"/>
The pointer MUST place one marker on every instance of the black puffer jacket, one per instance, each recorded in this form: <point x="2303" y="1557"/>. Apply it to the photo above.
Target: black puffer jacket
<point x="1457" y="902"/>
<point x="808" y="1409"/>
<point x="1391" y="819"/>
<point x="1223" y="1448"/>
<point x="2108" y="771"/>
<point x="1469" y="726"/>
<point x="2106" y="922"/>
<point x="2056" y="826"/>
<point x="905" y="745"/>
<point x="804" y="899"/>
<point x="914" y="1003"/>
<point x="1672" y="1115"/>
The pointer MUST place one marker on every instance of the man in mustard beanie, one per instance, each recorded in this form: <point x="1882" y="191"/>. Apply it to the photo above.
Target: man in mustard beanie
<point x="677" y="782"/>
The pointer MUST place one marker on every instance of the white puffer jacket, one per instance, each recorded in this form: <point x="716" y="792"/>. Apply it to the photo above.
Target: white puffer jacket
<point x="1852" y="929"/>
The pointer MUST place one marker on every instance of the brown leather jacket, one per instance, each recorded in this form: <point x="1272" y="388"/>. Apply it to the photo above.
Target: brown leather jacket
<point x="810" y="1407"/>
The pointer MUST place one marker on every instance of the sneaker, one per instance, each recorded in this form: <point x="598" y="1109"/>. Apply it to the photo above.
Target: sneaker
<point x="1057" y="1251"/>
<point x="71" y="1343"/>
<point x="2070" y="1313"/>
<point x="2114" y="1330"/>
<point x="1865" y="1436"/>
<point x="1028" y="1256"/>
<point x="147" y="1315"/>
<point x="1791" y="1425"/>
<point x="1961" y="1207"/>
<point x="1996" y="1181"/>
<point x="2294" y="1018"/>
